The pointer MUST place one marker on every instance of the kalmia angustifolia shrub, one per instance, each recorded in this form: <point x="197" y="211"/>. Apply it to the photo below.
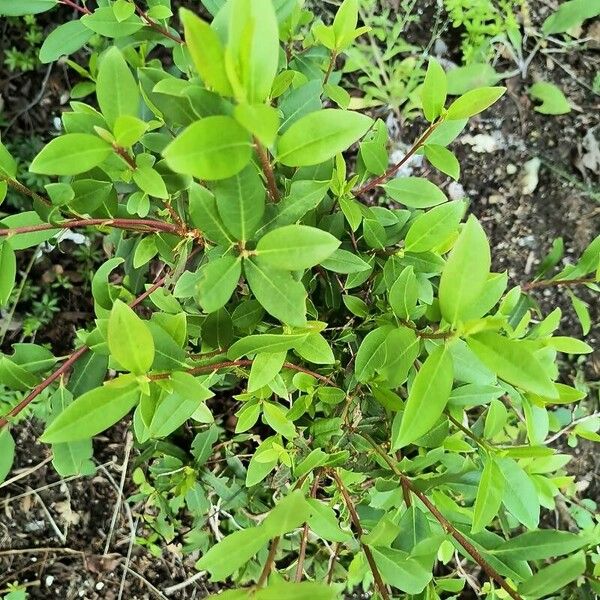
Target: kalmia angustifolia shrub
<point x="393" y="397"/>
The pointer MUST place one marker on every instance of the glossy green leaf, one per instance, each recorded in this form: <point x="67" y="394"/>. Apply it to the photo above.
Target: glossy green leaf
<point x="466" y="272"/>
<point x="296" y="247"/>
<point x="401" y="571"/>
<point x="129" y="339"/>
<point x="542" y="544"/>
<point x="268" y="342"/>
<point x="404" y="294"/>
<point x="8" y="272"/>
<point x="433" y="227"/>
<point x="433" y="92"/>
<point x="71" y="154"/>
<point x="427" y="398"/>
<point x="569" y="15"/>
<point x="212" y="148"/>
<point x="278" y="292"/>
<point x="415" y="192"/>
<point x="489" y="495"/>
<point x="554" y="577"/>
<point x="320" y="135"/>
<point x="217" y="282"/>
<point x="513" y="361"/>
<point x="64" y="40"/>
<point x="207" y="52"/>
<point x="289" y="513"/>
<point x="92" y="413"/>
<point x="116" y="88"/>
<point x="265" y="367"/>
<point x="442" y="159"/>
<point x="17" y="8"/>
<point x="473" y="102"/>
<point x="520" y="495"/>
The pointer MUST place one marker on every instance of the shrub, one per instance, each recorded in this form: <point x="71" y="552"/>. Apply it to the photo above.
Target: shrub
<point x="393" y="399"/>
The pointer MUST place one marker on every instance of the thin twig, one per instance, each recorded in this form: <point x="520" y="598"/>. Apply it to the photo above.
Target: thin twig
<point x="381" y="588"/>
<point x="262" y="580"/>
<point x="544" y="283"/>
<point x="395" y="168"/>
<point x="61" y="536"/>
<point x="267" y="169"/>
<point x="158" y="28"/>
<point x="330" y="67"/>
<point x="304" y="539"/>
<point x="189" y="581"/>
<point x="447" y="525"/>
<point x="26" y="473"/>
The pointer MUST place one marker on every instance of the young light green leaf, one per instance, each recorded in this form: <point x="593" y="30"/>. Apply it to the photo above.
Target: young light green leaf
<point x="433" y="227"/>
<point x="415" y="192"/>
<point x="441" y="158"/>
<point x="289" y="513"/>
<point x="489" y="495"/>
<point x="64" y="40"/>
<point x="320" y="135"/>
<point x="8" y="272"/>
<point x="344" y="23"/>
<point x="433" y="92"/>
<point x="554" y="577"/>
<point x="278" y="292"/>
<point x="207" y="52"/>
<point x="569" y="15"/>
<point x="232" y="552"/>
<point x="265" y="367"/>
<point x="218" y="280"/>
<point x="474" y="102"/>
<point x="116" y="88"/>
<point x="404" y="294"/>
<point x="401" y="571"/>
<point x="92" y="413"/>
<point x="71" y="154"/>
<point x="553" y="101"/>
<point x="520" y="496"/>
<point x="212" y="148"/>
<point x="7" y="453"/>
<point x="129" y="339"/>
<point x="17" y="8"/>
<point x="295" y="247"/>
<point x="427" y="398"/>
<point x="466" y="272"/>
<point x="266" y="342"/>
<point x="241" y="202"/>
<point x="261" y="120"/>
<point x="513" y="361"/>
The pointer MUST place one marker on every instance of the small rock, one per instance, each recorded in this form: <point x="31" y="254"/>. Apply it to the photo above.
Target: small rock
<point x="530" y="176"/>
<point x="511" y="169"/>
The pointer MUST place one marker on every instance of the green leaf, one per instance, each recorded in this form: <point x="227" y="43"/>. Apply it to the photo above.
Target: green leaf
<point x="569" y="345"/>
<point x="17" y="8"/>
<point x="474" y="102"/>
<point x="542" y="544"/>
<point x="150" y="182"/>
<point x="466" y="272"/>
<point x="582" y="312"/>
<point x="489" y="495"/>
<point x="404" y="294"/>
<point x="104" y="22"/>
<point x="306" y="590"/>
<point x="569" y="15"/>
<point x="319" y="136"/>
<point x="116" y="88"/>
<point x="433" y="92"/>
<point x="241" y="202"/>
<point x="92" y="413"/>
<point x="513" y="361"/>
<point x="295" y="247"/>
<point x="433" y="227"/>
<point x="8" y="272"/>
<point x="64" y="40"/>
<point x="7" y="453"/>
<point x="324" y="522"/>
<point x="278" y="292"/>
<point x="265" y="367"/>
<point x="342" y="261"/>
<point x="315" y="349"/>
<point x="553" y="101"/>
<point x="289" y="513"/>
<point x="207" y="52"/>
<point x="205" y="216"/>
<point x="232" y="552"/>
<point x="415" y="192"/>
<point x="520" y="495"/>
<point x="260" y="120"/>
<point x="344" y="23"/>
<point x="427" y="398"/>
<point x="71" y="154"/>
<point x="212" y="148"/>
<point x="371" y="354"/>
<point x="253" y="46"/>
<point x="266" y="342"/>
<point x="401" y="571"/>
<point x="554" y="577"/>
<point x="276" y="418"/>
<point x="469" y="77"/>
<point x="217" y="282"/>
<point x="129" y="339"/>
<point x="442" y="159"/>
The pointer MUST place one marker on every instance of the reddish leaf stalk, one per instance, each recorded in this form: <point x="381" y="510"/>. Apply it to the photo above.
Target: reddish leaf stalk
<point x="158" y="28"/>
<point x="544" y="283"/>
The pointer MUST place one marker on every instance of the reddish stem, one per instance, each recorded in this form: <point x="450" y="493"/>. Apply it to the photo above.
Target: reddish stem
<point x="67" y="365"/>
<point x="131" y="224"/>
<point x="154" y="25"/>
<point x="395" y="168"/>
<point x="560" y="282"/>
<point x="82" y="9"/>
